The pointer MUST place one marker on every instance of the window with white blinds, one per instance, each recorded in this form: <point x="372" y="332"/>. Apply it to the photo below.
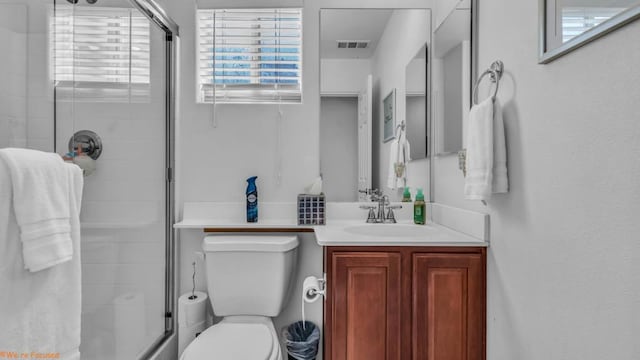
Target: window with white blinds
<point x="576" y="20"/>
<point x="250" y="55"/>
<point x="101" y="53"/>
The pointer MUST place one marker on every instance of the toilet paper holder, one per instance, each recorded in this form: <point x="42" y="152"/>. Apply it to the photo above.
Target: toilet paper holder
<point x="322" y="283"/>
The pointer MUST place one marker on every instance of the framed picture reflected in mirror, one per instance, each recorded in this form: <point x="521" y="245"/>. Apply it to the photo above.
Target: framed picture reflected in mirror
<point x="389" y="106"/>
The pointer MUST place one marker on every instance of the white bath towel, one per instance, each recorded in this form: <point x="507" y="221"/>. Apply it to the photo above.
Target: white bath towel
<point x="399" y="153"/>
<point x="41" y="311"/>
<point x="500" y="183"/>
<point x="486" y="152"/>
<point x="41" y="187"/>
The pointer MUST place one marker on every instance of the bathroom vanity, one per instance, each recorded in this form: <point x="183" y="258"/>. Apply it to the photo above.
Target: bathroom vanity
<point x="418" y="302"/>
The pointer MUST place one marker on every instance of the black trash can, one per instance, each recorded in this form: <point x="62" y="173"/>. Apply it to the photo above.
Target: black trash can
<point x="302" y="340"/>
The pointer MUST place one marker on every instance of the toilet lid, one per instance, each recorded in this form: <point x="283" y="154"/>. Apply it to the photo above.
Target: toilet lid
<point x="232" y="341"/>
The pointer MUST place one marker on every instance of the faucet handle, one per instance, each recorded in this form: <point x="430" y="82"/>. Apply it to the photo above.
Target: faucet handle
<point x="371" y="217"/>
<point x="391" y="217"/>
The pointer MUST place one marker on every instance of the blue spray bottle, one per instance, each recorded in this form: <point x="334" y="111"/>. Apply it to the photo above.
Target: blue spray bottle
<point x="252" y="200"/>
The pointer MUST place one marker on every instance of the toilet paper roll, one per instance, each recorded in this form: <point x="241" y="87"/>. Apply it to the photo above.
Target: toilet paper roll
<point x="129" y="324"/>
<point x="186" y="334"/>
<point x="311" y="289"/>
<point x="192" y="310"/>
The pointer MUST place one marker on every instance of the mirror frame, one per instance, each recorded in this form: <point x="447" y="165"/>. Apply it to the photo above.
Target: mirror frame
<point x="546" y="56"/>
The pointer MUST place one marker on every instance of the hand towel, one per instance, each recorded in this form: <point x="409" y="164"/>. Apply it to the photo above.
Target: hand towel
<point x="41" y="313"/>
<point x="41" y="186"/>
<point x="399" y="152"/>
<point x="500" y="183"/>
<point x="392" y="179"/>
<point x="486" y="152"/>
<point x="479" y="179"/>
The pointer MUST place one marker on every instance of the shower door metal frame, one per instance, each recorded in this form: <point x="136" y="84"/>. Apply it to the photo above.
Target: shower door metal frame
<point x="156" y="14"/>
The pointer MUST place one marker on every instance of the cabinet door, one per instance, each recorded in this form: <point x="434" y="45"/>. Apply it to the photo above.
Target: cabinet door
<point x="364" y="314"/>
<point x="448" y="306"/>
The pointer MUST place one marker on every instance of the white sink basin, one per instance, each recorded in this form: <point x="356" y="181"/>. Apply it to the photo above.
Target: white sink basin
<point x="391" y="230"/>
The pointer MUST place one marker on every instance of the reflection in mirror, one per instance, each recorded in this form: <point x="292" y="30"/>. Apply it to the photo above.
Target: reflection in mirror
<point x="569" y="24"/>
<point x="365" y="55"/>
<point x="451" y="79"/>
<point x="416" y="104"/>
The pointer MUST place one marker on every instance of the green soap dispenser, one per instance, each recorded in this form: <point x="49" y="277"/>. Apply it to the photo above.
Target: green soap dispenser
<point x="419" y="215"/>
<point x="406" y="195"/>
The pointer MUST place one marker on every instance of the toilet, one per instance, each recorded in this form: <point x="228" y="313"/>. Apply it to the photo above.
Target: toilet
<point x="248" y="281"/>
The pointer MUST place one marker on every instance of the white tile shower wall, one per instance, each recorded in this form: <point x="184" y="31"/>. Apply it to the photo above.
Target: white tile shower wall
<point x="14" y="33"/>
<point x="26" y="92"/>
<point x="389" y="61"/>
<point x="564" y="240"/>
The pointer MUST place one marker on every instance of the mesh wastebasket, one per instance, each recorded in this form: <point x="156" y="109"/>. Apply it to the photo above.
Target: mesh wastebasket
<point x="302" y="340"/>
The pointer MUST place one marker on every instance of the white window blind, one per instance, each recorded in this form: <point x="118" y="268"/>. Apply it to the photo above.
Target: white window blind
<point x="250" y="55"/>
<point x="101" y="53"/>
<point x="576" y="20"/>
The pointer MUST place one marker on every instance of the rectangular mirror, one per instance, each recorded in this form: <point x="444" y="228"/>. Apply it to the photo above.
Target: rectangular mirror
<point x="451" y="76"/>
<point x="566" y="25"/>
<point x="365" y="55"/>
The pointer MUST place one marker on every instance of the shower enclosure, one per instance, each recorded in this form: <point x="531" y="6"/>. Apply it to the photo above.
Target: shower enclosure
<point x="103" y="70"/>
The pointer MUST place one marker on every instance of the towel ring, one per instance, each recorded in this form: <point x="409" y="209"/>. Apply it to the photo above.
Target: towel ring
<point x="495" y="71"/>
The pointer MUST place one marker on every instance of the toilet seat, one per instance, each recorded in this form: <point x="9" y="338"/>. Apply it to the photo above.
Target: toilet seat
<point x="235" y="340"/>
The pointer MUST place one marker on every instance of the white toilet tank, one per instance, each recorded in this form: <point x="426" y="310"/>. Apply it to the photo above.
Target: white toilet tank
<point x="249" y="275"/>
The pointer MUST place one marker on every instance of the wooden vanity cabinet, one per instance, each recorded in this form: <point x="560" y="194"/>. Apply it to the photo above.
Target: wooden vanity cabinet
<point x="393" y="303"/>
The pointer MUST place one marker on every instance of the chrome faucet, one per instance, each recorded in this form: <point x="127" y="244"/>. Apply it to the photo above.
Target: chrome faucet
<point x="383" y="202"/>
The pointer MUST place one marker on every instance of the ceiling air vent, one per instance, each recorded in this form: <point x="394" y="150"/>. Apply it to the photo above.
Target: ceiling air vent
<point x="353" y="44"/>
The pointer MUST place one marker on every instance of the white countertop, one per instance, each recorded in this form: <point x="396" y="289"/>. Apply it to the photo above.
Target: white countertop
<point x="400" y="234"/>
<point x="345" y="226"/>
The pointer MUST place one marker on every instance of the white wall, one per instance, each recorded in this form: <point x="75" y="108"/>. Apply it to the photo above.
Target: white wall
<point x="343" y="76"/>
<point x="339" y="147"/>
<point x="389" y="63"/>
<point x="564" y="260"/>
<point x="452" y="92"/>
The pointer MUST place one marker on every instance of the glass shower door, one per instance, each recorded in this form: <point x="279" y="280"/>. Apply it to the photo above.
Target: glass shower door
<point x="110" y="79"/>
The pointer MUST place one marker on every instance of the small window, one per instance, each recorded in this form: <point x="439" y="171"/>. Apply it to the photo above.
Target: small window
<point x="249" y="55"/>
<point x="101" y="54"/>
